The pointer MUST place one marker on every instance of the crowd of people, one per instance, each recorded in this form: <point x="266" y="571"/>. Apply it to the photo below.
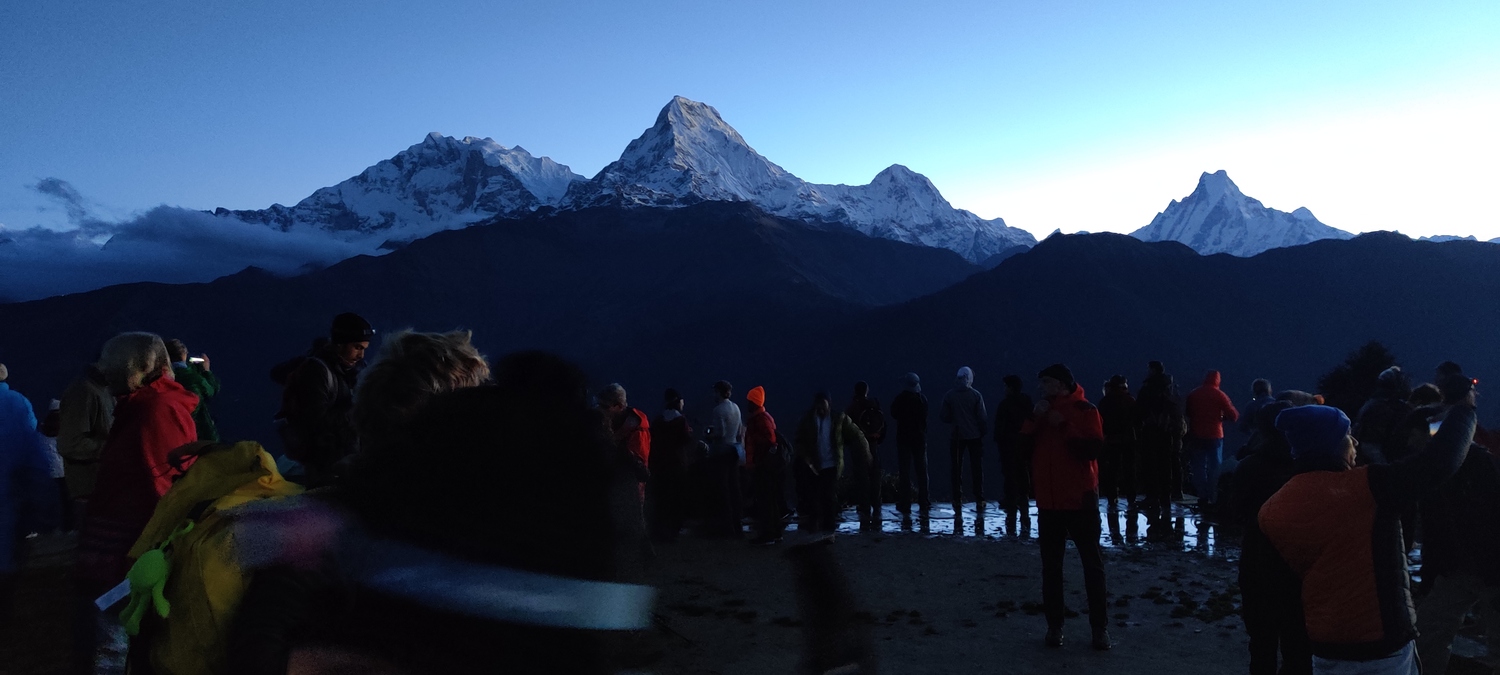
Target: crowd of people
<point x="385" y="563"/>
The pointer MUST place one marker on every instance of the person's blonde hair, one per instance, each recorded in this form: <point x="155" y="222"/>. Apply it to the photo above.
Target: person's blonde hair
<point x="131" y="360"/>
<point x="411" y="369"/>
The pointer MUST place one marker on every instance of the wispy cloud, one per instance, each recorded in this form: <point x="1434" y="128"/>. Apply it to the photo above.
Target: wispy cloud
<point x="165" y="244"/>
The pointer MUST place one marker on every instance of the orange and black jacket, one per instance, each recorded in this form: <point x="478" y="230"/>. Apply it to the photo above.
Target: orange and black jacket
<point x="1340" y="530"/>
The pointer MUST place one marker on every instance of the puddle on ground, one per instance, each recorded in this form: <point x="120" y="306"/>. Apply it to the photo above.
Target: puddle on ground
<point x="1190" y="532"/>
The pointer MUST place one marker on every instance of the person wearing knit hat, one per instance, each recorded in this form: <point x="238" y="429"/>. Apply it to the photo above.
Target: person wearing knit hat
<point x="963" y="408"/>
<point x="1067" y="438"/>
<point x="767" y="470"/>
<point x="1339" y="528"/>
<point x="909" y="410"/>
<point x="1380" y="418"/>
<point x="316" y="418"/>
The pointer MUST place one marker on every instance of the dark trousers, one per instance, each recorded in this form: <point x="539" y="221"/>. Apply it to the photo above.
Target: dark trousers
<point x="975" y="449"/>
<point x="911" y="466"/>
<point x="1273" y="619"/>
<point x="666" y="502"/>
<point x="1016" y="470"/>
<point x="1117" y="471"/>
<point x="770" y="498"/>
<point x="1055" y="529"/>
<point x="725" y="507"/>
<point x="866" y="488"/>
<point x="818" y="498"/>
<point x="1157" y="461"/>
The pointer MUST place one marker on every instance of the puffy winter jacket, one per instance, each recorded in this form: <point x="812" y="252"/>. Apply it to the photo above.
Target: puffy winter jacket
<point x="134" y="473"/>
<point x="844" y="436"/>
<point x="1208" y="408"/>
<point x="1064" y="464"/>
<point x="26" y="485"/>
<point x="1340" y="530"/>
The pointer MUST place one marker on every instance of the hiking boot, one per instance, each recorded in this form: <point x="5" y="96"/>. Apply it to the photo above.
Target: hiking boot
<point x="1101" y="640"/>
<point x="1054" y="637"/>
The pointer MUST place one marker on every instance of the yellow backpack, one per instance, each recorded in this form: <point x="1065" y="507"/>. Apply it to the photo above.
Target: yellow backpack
<point x="205" y="583"/>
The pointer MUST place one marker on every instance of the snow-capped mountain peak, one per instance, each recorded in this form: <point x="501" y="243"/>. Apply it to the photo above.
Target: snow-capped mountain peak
<point x="437" y="184"/>
<point x="1218" y="218"/>
<point x="692" y="155"/>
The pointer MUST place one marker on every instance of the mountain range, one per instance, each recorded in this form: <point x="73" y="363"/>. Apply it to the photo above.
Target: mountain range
<point x="682" y="297"/>
<point x="690" y="155"/>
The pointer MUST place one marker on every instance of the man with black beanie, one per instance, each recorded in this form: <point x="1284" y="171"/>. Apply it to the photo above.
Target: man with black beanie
<point x="1068" y="436"/>
<point x="316" y="406"/>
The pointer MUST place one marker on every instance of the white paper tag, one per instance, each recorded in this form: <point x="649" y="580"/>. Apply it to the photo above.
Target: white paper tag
<point x="114" y="595"/>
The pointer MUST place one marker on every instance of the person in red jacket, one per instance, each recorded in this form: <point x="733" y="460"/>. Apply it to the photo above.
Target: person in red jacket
<point x="1068" y="437"/>
<point x="153" y="418"/>
<point x="632" y="432"/>
<point x="763" y="460"/>
<point x="1208" y="408"/>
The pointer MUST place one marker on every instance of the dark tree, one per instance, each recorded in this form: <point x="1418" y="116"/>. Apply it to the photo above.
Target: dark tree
<point x="1352" y="382"/>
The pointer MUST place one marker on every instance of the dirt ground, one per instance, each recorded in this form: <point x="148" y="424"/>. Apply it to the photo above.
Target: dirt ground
<point x="945" y="604"/>
<point x="933" y="602"/>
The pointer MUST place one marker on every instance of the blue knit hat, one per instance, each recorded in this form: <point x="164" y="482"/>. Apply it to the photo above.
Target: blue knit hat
<point x="1314" y="431"/>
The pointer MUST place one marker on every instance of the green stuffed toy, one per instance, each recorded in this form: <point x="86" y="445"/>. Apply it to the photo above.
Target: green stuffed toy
<point x="148" y="578"/>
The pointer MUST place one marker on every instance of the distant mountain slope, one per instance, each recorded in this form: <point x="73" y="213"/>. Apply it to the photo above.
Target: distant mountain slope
<point x="692" y="155"/>
<point x="1106" y="304"/>
<point x="636" y="295"/>
<point x="1218" y="218"/>
<point x="439" y="184"/>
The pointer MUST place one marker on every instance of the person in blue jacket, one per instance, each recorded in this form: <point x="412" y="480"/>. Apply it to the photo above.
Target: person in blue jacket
<point x="28" y="496"/>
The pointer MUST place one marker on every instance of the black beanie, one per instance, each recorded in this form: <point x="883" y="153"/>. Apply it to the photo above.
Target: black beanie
<point x="350" y="327"/>
<point x="1059" y="372"/>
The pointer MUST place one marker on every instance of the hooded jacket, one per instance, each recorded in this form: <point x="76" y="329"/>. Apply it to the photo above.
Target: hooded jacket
<point x="1064" y="463"/>
<point x="963" y="408"/>
<point x="87" y="412"/>
<point x="1340" y="531"/>
<point x="134" y="472"/>
<point x="1208" y="407"/>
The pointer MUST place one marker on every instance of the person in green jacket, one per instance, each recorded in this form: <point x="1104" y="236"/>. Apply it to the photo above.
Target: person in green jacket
<point x="196" y="376"/>
<point x="822" y="437"/>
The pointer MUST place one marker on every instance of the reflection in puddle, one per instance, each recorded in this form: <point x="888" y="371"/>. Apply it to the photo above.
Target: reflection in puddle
<point x="1189" y="532"/>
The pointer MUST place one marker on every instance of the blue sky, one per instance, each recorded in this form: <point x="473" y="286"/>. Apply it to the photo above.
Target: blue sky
<point x="1071" y="115"/>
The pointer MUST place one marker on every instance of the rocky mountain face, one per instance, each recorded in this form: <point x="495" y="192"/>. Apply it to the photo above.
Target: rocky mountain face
<point x="1218" y="218"/>
<point x="692" y="155"/>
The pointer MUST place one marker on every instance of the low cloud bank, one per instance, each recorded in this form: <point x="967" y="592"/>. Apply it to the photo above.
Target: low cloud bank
<point x="165" y="244"/>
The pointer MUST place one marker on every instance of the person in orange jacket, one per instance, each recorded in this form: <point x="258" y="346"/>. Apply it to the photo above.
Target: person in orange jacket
<point x="1068" y="437"/>
<point x="1208" y="408"/>
<point x="1339" y="528"/>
